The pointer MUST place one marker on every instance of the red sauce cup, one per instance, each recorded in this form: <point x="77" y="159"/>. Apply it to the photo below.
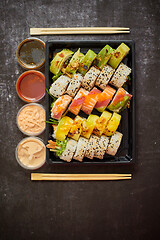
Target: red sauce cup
<point x="30" y="86"/>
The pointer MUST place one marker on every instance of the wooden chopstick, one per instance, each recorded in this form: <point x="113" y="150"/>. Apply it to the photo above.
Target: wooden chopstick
<point x="78" y="177"/>
<point x="79" y="30"/>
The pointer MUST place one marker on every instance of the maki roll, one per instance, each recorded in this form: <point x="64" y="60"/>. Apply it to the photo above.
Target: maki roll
<point x="101" y="123"/>
<point x="120" y="100"/>
<point x="114" y="143"/>
<point x="88" y="126"/>
<point x="112" y="124"/>
<point x="76" y="128"/>
<point x="81" y="148"/>
<point x="104" y="98"/>
<point x="59" y="60"/>
<point x="103" y="56"/>
<point x="63" y="128"/>
<point x="74" y="63"/>
<point x="90" y="100"/>
<point x="77" y="102"/>
<point x="90" y="78"/>
<point x="86" y="62"/>
<point x="74" y="84"/>
<point x="91" y="146"/>
<point x="58" y="88"/>
<point x="104" y="77"/>
<point x="104" y="141"/>
<point x="59" y="106"/>
<point x="120" y="76"/>
<point x="69" y="150"/>
<point x="118" y="55"/>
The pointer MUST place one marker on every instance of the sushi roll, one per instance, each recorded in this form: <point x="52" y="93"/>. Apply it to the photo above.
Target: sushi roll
<point x="101" y="123"/>
<point x="69" y="150"/>
<point x="90" y="100"/>
<point x="114" y="143"/>
<point x="59" y="106"/>
<point x="90" y="78"/>
<point x="118" y="55"/>
<point x="104" y="98"/>
<point x="103" y="56"/>
<point x="63" y="128"/>
<point x="120" y="76"/>
<point x="74" y="85"/>
<point x="88" y="125"/>
<point x="112" y="124"/>
<point x="81" y="149"/>
<point x="104" y="77"/>
<point x="91" y="146"/>
<point x="104" y="141"/>
<point x="77" y="102"/>
<point x="76" y="128"/>
<point x="58" y="88"/>
<point x="100" y="147"/>
<point x="120" y="100"/>
<point x="86" y="62"/>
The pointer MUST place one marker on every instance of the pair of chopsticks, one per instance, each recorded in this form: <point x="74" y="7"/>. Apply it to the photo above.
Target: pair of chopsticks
<point x="79" y="30"/>
<point x="78" y="177"/>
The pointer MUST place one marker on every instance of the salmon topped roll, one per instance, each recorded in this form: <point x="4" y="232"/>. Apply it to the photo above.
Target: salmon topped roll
<point x="77" y="102"/>
<point x="104" y="77"/>
<point x="104" y="98"/>
<point x="120" y="100"/>
<point x="59" y="106"/>
<point x="90" y="100"/>
<point x="90" y="78"/>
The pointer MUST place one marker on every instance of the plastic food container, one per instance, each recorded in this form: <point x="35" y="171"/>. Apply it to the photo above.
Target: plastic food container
<point x="31" y="153"/>
<point x="30" y="86"/>
<point x="31" y="53"/>
<point x="31" y="119"/>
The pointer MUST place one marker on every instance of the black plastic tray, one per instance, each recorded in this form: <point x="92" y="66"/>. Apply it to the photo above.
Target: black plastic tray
<point x="126" y="153"/>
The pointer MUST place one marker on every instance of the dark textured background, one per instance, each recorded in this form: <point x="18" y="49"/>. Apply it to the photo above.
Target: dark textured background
<point x="82" y="210"/>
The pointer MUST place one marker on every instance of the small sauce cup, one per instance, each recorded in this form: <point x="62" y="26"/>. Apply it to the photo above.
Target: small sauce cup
<point x="30" y="86"/>
<point x="31" y="119"/>
<point x="31" y="53"/>
<point x="31" y="153"/>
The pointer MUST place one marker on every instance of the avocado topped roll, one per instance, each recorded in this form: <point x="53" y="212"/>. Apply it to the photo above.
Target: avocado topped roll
<point x="114" y="143"/>
<point x="120" y="100"/>
<point x="118" y="55"/>
<point x="81" y="149"/>
<point x="74" y="84"/>
<point x="90" y="78"/>
<point x="86" y="62"/>
<point x="69" y="150"/>
<point x="104" y="77"/>
<point x="58" y="88"/>
<point x="103" y="56"/>
<point x="74" y="63"/>
<point x="120" y="76"/>
<point x="59" y="60"/>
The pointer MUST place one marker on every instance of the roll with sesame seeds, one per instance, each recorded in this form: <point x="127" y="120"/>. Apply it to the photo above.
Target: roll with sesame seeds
<point x="58" y="88"/>
<point x="90" y="78"/>
<point x="74" y="85"/>
<point x="114" y="143"/>
<point x="69" y="151"/>
<point x="104" y="77"/>
<point x="81" y="149"/>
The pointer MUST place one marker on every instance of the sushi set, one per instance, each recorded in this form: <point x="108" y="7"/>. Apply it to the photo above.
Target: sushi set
<point x="90" y="105"/>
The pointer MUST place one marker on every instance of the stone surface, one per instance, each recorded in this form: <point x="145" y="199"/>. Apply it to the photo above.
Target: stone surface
<point x="82" y="210"/>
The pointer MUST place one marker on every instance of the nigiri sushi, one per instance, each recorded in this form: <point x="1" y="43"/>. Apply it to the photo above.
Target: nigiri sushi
<point x="120" y="100"/>
<point x="74" y="84"/>
<point x="120" y="76"/>
<point x="59" y="106"/>
<point x="69" y="150"/>
<point x="114" y="143"/>
<point x="77" y="102"/>
<point x="58" y="88"/>
<point x="90" y="100"/>
<point x="90" y="78"/>
<point x="104" y="98"/>
<point x="81" y="148"/>
<point x="104" y="77"/>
